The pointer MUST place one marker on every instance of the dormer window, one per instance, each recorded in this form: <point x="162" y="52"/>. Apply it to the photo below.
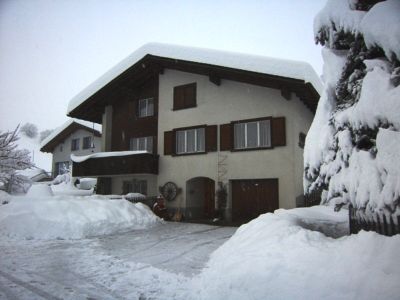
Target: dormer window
<point x="145" y="107"/>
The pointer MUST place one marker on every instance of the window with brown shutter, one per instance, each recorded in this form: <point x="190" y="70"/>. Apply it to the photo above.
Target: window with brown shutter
<point x="169" y="143"/>
<point x="278" y="132"/>
<point x="211" y="138"/>
<point x="185" y="96"/>
<point x="191" y="140"/>
<point x="253" y="134"/>
<point x="225" y="137"/>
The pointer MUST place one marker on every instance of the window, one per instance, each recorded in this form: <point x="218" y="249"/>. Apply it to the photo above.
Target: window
<point x="87" y="142"/>
<point x="185" y="96"/>
<point x="141" y="144"/>
<point x="249" y="135"/>
<point x="190" y="141"/>
<point x="135" y="186"/>
<point x="61" y="168"/>
<point x="145" y="107"/>
<point x="74" y="144"/>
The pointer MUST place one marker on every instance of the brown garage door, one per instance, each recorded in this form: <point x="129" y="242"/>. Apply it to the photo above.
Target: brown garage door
<point x="253" y="197"/>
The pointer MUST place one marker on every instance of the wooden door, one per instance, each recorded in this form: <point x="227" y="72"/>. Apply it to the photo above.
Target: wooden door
<point x="209" y="197"/>
<point x="252" y="197"/>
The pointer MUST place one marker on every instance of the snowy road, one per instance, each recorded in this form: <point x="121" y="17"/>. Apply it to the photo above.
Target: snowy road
<point x="143" y="264"/>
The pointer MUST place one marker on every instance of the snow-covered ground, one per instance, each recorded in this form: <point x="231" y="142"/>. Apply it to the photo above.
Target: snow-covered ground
<point x="285" y="255"/>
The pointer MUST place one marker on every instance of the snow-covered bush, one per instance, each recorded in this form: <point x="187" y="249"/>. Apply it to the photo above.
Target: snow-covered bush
<point x="11" y="161"/>
<point x="352" y="151"/>
<point x="30" y="130"/>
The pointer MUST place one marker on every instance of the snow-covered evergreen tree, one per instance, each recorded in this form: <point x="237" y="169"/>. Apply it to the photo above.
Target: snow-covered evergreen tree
<point x="11" y="161"/>
<point x="352" y="151"/>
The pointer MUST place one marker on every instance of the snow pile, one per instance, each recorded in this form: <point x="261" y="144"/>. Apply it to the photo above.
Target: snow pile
<point x="261" y="64"/>
<point x="346" y="152"/>
<point x="39" y="190"/>
<point x="62" y="217"/>
<point x="319" y="218"/>
<point x="4" y="197"/>
<point x="273" y="257"/>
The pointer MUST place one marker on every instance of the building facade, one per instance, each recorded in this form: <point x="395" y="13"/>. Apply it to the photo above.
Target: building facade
<point x="73" y="137"/>
<point x="198" y="131"/>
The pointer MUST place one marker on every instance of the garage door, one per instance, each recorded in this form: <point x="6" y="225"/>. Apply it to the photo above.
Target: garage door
<point x="253" y="197"/>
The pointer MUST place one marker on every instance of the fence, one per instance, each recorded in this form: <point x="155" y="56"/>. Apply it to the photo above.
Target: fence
<point x="313" y="198"/>
<point x="380" y="223"/>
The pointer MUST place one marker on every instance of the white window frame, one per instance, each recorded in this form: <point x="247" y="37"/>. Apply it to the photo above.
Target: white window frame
<point x="148" y="112"/>
<point x="196" y="147"/>
<point x="137" y="140"/>
<point x="246" y="142"/>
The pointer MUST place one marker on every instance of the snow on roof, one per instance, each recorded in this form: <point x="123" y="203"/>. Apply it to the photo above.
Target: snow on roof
<point x="82" y="158"/>
<point x="61" y="128"/>
<point x="254" y="63"/>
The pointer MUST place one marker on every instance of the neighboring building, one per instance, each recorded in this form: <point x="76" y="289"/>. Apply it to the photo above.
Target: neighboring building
<point x="73" y="137"/>
<point x="199" y="118"/>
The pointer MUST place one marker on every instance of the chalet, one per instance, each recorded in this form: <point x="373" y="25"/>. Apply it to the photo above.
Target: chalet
<point x="210" y="129"/>
<point x="73" y="137"/>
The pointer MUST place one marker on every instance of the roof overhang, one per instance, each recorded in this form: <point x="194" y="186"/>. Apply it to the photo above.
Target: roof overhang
<point x="92" y="108"/>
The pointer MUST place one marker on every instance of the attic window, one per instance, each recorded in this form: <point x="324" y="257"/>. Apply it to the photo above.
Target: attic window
<point x="185" y="96"/>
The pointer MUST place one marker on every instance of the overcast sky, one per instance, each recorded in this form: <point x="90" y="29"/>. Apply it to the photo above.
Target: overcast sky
<point x="50" y="50"/>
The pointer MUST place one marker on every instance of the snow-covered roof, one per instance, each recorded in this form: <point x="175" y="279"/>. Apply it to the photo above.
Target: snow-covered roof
<point x="82" y="158"/>
<point x="254" y="63"/>
<point x="56" y="132"/>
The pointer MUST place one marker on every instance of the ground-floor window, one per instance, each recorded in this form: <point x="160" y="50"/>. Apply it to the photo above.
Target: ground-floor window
<point x="134" y="186"/>
<point x="61" y="168"/>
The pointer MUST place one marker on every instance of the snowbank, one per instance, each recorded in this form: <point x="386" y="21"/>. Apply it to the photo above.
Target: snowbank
<point x="62" y="217"/>
<point x="273" y="257"/>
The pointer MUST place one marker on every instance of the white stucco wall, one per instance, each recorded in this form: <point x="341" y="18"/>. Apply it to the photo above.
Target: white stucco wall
<point x="65" y="154"/>
<point x="222" y="104"/>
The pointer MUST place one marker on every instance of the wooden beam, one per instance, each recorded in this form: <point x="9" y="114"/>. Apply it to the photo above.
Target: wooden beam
<point x="215" y="79"/>
<point x="287" y="94"/>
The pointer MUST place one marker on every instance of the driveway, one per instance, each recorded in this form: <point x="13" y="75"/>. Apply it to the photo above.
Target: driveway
<point x="156" y="263"/>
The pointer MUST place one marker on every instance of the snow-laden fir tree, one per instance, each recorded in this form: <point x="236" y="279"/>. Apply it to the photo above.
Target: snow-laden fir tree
<point x="11" y="161"/>
<point x="352" y="151"/>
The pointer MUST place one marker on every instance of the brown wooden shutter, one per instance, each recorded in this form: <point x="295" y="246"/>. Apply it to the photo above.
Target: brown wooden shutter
<point x="226" y="137"/>
<point x="169" y="142"/>
<point x="190" y="95"/>
<point x="179" y="97"/>
<point x="278" y="130"/>
<point x="211" y="138"/>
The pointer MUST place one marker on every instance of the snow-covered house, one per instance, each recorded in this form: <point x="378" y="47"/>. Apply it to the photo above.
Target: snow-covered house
<point x="73" y="137"/>
<point x="196" y="122"/>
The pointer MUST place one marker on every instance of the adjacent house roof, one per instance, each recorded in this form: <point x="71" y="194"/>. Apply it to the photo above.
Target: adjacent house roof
<point x="61" y="133"/>
<point x="287" y="75"/>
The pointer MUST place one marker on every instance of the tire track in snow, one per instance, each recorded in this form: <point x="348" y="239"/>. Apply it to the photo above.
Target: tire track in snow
<point x="29" y="287"/>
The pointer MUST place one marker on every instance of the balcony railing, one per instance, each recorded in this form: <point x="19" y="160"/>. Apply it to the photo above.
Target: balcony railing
<point x="143" y="163"/>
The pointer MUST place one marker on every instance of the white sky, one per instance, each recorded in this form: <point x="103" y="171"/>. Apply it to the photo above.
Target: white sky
<point x="51" y="50"/>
